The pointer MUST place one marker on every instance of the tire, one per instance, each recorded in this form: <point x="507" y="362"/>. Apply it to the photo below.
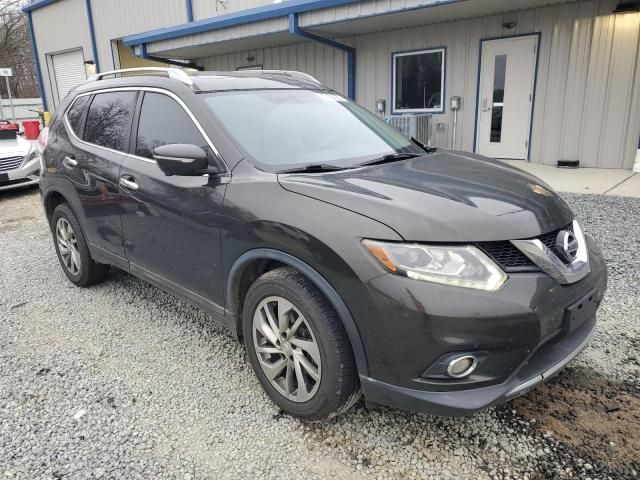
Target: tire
<point x="338" y="387"/>
<point x="88" y="271"/>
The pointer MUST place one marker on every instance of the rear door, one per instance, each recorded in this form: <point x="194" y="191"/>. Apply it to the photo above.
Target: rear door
<point x="99" y="126"/>
<point x="171" y="223"/>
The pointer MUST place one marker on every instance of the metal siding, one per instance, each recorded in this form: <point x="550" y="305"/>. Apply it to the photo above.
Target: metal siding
<point x="213" y="8"/>
<point x="114" y="19"/>
<point x="587" y="103"/>
<point x="53" y="35"/>
<point x="620" y="92"/>
<point x="280" y="24"/>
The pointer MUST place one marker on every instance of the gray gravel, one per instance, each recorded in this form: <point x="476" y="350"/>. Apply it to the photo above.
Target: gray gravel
<point x="124" y="381"/>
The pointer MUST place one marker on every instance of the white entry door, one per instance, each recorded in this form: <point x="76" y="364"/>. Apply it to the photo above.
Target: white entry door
<point x="507" y="78"/>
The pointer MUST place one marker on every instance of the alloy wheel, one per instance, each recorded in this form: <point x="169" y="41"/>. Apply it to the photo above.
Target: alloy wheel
<point x="286" y="349"/>
<point x="68" y="246"/>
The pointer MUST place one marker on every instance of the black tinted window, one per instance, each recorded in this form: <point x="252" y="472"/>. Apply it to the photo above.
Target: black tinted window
<point x="162" y="122"/>
<point x="74" y="115"/>
<point x="109" y="119"/>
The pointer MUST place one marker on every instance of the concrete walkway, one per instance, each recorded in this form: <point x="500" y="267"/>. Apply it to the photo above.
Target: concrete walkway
<point x="624" y="183"/>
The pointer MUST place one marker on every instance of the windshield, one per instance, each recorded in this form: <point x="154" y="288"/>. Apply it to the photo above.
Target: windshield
<point x="285" y="129"/>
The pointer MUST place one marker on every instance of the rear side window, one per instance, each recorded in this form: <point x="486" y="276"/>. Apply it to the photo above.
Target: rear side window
<point x="109" y="119"/>
<point x="74" y="115"/>
<point x="163" y="122"/>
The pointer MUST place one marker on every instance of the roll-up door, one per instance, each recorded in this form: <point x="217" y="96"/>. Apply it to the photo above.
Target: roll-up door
<point x="69" y="71"/>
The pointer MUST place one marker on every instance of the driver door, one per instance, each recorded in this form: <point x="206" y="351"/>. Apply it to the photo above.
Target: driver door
<point x="171" y="224"/>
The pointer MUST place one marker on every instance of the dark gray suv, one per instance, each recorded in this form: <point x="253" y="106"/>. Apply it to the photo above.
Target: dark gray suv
<point x="348" y="258"/>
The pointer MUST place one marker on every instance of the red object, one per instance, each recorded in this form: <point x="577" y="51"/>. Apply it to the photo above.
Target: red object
<point x="8" y="130"/>
<point x="31" y="129"/>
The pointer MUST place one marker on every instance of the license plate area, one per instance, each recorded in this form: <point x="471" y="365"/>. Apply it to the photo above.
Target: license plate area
<point x="581" y="311"/>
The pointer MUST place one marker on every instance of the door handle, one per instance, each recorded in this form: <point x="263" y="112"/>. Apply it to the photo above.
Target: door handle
<point x="70" y="162"/>
<point x="485" y="105"/>
<point x="129" y="183"/>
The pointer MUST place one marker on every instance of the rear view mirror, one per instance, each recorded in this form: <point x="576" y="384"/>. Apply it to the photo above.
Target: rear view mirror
<point x="181" y="159"/>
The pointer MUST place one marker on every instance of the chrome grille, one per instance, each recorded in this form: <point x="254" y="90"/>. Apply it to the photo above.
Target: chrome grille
<point x="10" y="163"/>
<point x="511" y="259"/>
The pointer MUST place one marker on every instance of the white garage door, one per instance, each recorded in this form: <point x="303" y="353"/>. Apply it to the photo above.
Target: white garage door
<point x="69" y="71"/>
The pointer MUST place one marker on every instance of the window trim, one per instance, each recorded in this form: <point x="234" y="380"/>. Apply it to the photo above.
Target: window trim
<point x="135" y="113"/>
<point x="83" y="116"/>
<point x="443" y="80"/>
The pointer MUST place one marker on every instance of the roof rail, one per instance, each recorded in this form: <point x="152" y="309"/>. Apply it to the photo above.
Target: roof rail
<point x="174" y="73"/>
<point x="290" y="73"/>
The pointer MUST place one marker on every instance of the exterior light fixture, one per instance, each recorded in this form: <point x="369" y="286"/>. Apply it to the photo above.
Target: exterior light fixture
<point x="90" y="68"/>
<point x="627" y="7"/>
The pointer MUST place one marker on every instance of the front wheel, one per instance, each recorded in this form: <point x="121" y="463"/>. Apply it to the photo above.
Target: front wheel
<point x="298" y="347"/>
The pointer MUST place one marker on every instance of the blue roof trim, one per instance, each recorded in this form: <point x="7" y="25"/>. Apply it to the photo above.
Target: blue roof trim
<point x="37" y="4"/>
<point x="241" y="17"/>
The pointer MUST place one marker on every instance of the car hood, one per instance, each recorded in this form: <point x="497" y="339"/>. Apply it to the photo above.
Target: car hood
<point x="446" y="196"/>
<point x="18" y="147"/>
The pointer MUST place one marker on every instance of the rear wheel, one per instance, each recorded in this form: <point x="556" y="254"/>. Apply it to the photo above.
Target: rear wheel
<point x="73" y="252"/>
<point x="298" y="347"/>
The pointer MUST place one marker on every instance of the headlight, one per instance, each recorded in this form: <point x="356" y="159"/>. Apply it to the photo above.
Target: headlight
<point x="33" y="155"/>
<point x="461" y="266"/>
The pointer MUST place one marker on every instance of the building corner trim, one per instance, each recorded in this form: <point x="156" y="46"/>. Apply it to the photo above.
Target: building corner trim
<point x="36" y="58"/>
<point x="294" y="29"/>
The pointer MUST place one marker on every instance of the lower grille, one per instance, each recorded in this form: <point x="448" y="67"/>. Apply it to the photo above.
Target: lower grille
<point x="512" y="260"/>
<point x="11" y="163"/>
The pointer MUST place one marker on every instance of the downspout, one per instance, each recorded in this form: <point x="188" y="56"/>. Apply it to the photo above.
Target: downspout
<point x="189" y="11"/>
<point x="92" y="33"/>
<point x="143" y="54"/>
<point x="34" y="48"/>
<point x="294" y="29"/>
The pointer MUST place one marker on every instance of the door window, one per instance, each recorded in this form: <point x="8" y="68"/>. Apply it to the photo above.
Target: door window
<point x="162" y="122"/>
<point x="109" y="120"/>
<point x="74" y="115"/>
<point x="499" y="74"/>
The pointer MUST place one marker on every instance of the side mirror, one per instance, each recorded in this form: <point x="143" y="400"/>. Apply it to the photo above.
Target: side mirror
<point x="182" y="159"/>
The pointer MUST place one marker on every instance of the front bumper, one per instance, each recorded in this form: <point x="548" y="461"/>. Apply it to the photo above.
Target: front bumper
<point x="408" y="325"/>
<point x="27" y="174"/>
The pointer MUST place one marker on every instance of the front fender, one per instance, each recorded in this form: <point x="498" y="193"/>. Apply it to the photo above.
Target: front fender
<point x="235" y="275"/>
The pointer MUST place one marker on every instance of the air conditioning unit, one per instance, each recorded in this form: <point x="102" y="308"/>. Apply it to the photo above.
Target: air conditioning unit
<point x="416" y="126"/>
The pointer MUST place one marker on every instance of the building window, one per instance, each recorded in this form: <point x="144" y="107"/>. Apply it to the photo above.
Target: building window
<point x="418" y="81"/>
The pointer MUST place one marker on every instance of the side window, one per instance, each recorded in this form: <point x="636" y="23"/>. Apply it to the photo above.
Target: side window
<point x="109" y="119"/>
<point x="418" y="81"/>
<point x="163" y="121"/>
<point x="74" y="114"/>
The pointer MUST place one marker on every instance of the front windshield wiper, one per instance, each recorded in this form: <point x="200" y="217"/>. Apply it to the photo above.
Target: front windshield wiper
<point x="426" y="148"/>
<point x="313" y="168"/>
<point x="391" y="157"/>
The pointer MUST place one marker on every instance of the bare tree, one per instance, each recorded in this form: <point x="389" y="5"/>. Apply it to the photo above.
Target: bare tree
<point x="15" y="50"/>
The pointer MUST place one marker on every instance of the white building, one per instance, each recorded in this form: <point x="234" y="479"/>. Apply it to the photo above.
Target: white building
<point x="540" y="80"/>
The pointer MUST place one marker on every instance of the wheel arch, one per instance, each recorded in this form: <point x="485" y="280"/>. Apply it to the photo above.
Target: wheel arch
<point x="52" y="198"/>
<point x="275" y="258"/>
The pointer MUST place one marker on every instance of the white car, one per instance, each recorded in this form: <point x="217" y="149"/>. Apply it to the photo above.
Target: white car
<point x="19" y="161"/>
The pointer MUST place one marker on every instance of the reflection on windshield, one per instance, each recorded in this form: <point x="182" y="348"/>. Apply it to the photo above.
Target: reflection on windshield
<point x="284" y="129"/>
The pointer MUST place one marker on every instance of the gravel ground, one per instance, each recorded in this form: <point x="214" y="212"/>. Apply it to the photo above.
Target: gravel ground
<point x="124" y="381"/>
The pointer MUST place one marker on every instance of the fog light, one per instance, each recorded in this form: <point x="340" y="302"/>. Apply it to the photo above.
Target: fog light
<point x="462" y="366"/>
